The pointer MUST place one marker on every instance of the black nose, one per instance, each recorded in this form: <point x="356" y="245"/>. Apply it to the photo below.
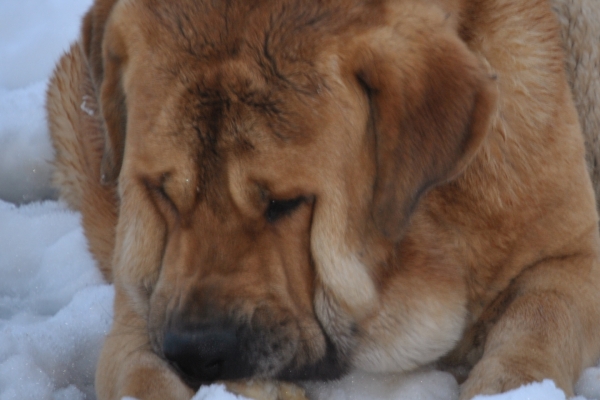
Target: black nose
<point x="204" y="354"/>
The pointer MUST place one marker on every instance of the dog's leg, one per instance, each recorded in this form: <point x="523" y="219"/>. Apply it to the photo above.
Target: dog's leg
<point x="129" y="367"/>
<point x="76" y="131"/>
<point x="545" y="331"/>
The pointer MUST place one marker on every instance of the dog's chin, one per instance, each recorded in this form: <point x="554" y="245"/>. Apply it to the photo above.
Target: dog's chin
<point x="324" y="370"/>
<point x="333" y="365"/>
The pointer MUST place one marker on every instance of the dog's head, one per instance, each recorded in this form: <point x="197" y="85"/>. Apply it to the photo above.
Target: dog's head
<point x="268" y="157"/>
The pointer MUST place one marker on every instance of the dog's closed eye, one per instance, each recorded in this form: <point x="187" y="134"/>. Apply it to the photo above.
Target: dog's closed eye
<point x="159" y="193"/>
<point x="281" y="208"/>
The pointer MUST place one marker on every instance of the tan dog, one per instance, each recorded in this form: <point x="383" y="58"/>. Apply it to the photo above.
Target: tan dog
<point x="293" y="189"/>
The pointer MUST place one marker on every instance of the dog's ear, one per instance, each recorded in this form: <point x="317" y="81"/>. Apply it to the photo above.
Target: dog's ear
<point x="431" y="103"/>
<point x="105" y="62"/>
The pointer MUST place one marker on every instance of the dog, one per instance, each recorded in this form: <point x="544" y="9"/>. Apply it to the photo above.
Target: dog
<point x="291" y="190"/>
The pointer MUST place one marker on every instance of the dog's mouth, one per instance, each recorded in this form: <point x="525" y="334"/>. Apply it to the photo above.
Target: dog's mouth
<point x="219" y="352"/>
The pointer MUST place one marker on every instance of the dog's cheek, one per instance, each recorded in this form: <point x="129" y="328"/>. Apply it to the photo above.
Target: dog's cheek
<point x="345" y="291"/>
<point x="345" y="278"/>
<point x="274" y="345"/>
<point x="138" y="253"/>
<point x="336" y="322"/>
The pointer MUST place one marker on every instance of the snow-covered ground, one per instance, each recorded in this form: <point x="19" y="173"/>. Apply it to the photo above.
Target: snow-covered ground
<point x="54" y="307"/>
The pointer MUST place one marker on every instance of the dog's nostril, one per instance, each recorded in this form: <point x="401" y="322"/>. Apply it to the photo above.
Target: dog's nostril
<point x="203" y="354"/>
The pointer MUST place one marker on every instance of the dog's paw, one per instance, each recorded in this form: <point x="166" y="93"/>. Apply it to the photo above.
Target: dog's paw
<point x="492" y="376"/>
<point x="267" y="390"/>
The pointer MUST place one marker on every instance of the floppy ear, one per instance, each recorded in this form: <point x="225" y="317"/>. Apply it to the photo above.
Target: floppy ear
<point x="431" y="103"/>
<point x="105" y="62"/>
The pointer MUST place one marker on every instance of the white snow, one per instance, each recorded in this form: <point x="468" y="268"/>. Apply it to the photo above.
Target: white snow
<point x="25" y="149"/>
<point x="216" y="391"/>
<point x="54" y="307"/>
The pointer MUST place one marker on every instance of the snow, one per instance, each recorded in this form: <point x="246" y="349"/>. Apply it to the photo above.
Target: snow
<point x="217" y="391"/>
<point x="25" y="149"/>
<point x="55" y="308"/>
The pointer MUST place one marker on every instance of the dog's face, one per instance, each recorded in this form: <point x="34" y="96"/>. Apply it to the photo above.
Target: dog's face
<point x="268" y="159"/>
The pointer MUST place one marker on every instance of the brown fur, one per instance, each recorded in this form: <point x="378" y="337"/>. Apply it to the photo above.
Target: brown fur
<point x="438" y="205"/>
<point x="580" y="32"/>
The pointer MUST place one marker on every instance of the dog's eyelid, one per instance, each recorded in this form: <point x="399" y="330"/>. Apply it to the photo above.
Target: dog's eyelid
<point x="157" y="190"/>
<point x="161" y="190"/>
<point x="277" y="209"/>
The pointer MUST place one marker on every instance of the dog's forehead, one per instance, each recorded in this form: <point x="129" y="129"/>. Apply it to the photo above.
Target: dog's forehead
<point x="228" y="63"/>
<point x="228" y="77"/>
<point x="284" y="38"/>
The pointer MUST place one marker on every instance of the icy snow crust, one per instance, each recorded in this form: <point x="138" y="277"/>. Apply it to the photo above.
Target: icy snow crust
<point x="54" y="307"/>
